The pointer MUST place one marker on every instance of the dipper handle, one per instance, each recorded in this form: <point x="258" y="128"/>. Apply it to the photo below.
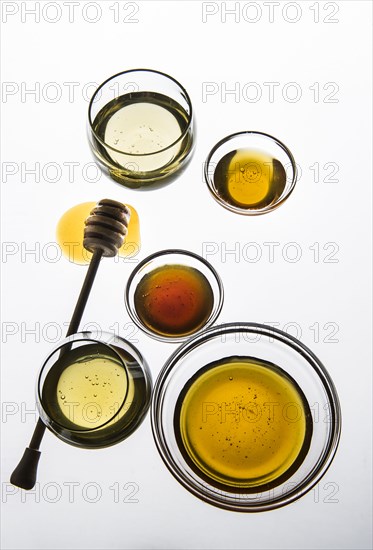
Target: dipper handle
<point x="24" y="475"/>
<point x="104" y="233"/>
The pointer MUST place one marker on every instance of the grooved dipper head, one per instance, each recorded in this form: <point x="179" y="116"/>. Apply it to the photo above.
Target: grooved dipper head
<point x="106" y="227"/>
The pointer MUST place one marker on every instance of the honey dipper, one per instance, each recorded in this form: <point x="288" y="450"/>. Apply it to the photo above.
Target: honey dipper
<point x="104" y="233"/>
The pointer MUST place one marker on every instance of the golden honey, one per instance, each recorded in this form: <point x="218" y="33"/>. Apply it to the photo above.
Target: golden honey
<point x="174" y="300"/>
<point x="70" y="234"/>
<point x="243" y="424"/>
<point x="249" y="179"/>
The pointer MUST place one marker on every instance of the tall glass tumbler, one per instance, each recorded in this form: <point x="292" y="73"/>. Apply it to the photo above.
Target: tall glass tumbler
<point x="141" y="128"/>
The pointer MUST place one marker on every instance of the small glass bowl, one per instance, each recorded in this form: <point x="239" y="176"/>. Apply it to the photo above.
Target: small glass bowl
<point x="257" y="142"/>
<point x="69" y="403"/>
<point x="271" y="346"/>
<point x="168" y="258"/>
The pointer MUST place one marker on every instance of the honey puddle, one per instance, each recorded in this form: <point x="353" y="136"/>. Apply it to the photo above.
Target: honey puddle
<point x="70" y="233"/>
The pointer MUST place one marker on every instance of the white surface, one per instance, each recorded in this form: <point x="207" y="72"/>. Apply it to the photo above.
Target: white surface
<point x="171" y="36"/>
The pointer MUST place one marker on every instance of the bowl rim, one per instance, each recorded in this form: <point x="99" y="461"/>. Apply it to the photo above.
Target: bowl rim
<point x="168" y="252"/>
<point x="135" y="155"/>
<point x="237" y="209"/>
<point x="310" y="480"/>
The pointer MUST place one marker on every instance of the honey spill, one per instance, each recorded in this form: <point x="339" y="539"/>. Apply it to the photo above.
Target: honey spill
<point x="243" y="423"/>
<point x="249" y="179"/>
<point x="174" y="300"/>
<point x="70" y="233"/>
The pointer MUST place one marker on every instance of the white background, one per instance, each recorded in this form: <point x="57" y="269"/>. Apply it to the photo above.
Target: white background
<point x="40" y="293"/>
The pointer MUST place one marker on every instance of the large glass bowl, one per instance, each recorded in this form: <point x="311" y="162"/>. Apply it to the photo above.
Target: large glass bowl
<point x="271" y="346"/>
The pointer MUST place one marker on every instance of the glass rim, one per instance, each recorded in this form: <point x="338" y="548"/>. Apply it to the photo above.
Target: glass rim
<point x="237" y="209"/>
<point x="309" y="480"/>
<point x="135" y="155"/>
<point x="78" y="337"/>
<point x="166" y="252"/>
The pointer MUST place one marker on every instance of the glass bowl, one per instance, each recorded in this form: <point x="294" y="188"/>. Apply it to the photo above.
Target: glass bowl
<point x="172" y="294"/>
<point x="93" y="390"/>
<point x="140" y="128"/>
<point x="250" y="173"/>
<point x="263" y="345"/>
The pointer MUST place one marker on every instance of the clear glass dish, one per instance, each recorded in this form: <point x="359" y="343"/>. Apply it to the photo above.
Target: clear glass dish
<point x="267" y="345"/>
<point x="140" y="128"/>
<point x="267" y="174"/>
<point x="211" y="289"/>
<point x="93" y="390"/>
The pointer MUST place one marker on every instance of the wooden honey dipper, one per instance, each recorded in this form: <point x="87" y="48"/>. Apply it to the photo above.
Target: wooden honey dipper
<point x="104" y="233"/>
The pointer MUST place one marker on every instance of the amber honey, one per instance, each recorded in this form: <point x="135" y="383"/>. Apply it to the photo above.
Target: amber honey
<point x="174" y="300"/>
<point x="249" y="179"/>
<point x="243" y="424"/>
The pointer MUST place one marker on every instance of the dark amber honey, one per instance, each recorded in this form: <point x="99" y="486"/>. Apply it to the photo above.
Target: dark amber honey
<point x="174" y="300"/>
